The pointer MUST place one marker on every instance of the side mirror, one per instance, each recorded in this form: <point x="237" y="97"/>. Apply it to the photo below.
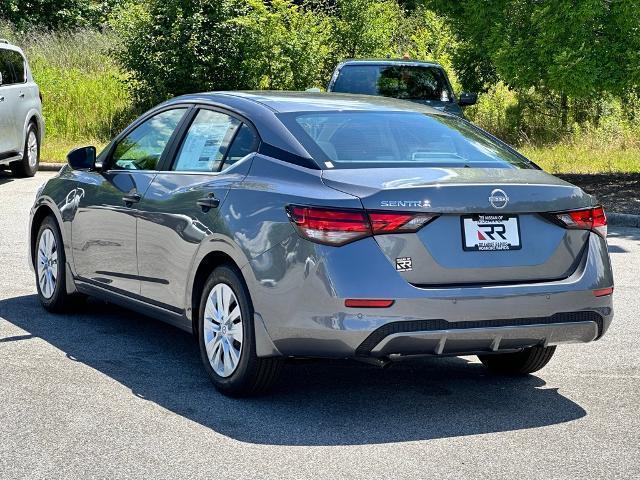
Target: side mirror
<point x="467" y="98"/>
<point x="83" y="158"/>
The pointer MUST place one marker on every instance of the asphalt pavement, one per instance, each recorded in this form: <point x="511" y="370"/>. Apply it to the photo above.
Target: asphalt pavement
<point x="105" y="393"/>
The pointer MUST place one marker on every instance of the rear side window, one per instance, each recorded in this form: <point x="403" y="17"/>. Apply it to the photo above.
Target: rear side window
<point x="206" y="142"/>
<point x="397" y="81"/>
<point x="214" y="142"/>
<point x="360" y="139"/>
<point x="244" y="143"/>
<point x="12" y="67"/>
<point x="142" y="148"/>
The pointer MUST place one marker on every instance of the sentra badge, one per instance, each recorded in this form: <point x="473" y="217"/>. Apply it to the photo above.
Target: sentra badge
<point x="406" y="203"/>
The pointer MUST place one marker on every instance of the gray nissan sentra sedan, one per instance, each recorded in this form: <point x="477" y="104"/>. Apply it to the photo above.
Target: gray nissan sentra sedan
<point x="275" y="225"/>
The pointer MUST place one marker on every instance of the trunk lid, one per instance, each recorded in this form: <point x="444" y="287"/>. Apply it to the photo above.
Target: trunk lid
<point x="439" y="254"/>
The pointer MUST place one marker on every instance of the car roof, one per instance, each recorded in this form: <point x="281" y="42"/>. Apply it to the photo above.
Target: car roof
<point x="286" y="102"/>
<point x="7" y="45"/>
<point x="390" y="61"/>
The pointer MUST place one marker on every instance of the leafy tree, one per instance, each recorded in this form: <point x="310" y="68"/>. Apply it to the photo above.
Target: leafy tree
<point x="428" y="36"/>
<point x="56" y="14"/>
<point x="283" y="46"/>
<point x="578" y="48"/>
<point x="179" y="46"/>
<point x="365" y="28"/>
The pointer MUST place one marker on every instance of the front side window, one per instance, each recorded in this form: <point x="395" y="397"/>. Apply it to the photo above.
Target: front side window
<point x="397" y="81"/>
<point x="359" y="139"/>
<point x="142" y="148"/>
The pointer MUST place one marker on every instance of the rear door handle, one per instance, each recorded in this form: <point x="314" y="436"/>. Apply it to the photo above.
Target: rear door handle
<point x="208" y="202"/>
<point x="21" y="95"/>
<point x="1" y="99"/>
<point x="131" y="198"/>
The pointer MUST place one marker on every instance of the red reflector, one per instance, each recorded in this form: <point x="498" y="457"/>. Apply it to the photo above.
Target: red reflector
<point x="364" y="303"/>
<point x="603" y="292"/>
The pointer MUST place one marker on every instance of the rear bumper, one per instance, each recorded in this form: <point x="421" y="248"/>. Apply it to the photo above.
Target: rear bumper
<point x="443" y="338"/>
<point x="304" y="313"/>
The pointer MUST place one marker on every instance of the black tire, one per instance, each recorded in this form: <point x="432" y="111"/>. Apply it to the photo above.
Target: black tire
<point x="22" y="168"/>
<point x="527" y="361"/>
<point x="253" y="375"/>
<point x="60" y="300"/>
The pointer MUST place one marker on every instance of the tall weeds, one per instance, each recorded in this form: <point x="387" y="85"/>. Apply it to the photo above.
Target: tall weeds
<point x="85" y="97"/>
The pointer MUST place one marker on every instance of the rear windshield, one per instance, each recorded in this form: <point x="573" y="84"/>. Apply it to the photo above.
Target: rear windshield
<point x="362" y="139"/>
<point x="399" y="81"/>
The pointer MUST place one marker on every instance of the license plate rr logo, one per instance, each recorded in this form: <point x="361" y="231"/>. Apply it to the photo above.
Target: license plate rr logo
<point x="404" y="264"/>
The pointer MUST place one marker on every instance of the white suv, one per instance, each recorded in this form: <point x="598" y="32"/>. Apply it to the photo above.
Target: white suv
<point x="21" y="122"/>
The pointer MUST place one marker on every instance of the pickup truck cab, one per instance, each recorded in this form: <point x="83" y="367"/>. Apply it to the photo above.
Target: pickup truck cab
<point x="416" y="81"/>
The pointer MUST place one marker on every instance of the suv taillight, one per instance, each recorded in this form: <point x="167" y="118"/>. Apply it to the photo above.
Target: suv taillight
<point x="593" y="219"/>
<point x="333" y="226"/>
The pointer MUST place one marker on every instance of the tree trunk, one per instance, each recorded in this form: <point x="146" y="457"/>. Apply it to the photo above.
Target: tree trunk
<point x="564" y="106"/>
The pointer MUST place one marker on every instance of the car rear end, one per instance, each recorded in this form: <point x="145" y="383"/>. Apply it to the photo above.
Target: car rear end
<point x="458" y="245"/>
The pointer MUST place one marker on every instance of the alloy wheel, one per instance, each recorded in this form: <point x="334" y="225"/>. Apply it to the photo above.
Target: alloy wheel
<point x="223" y="330"/>
<point x="32" y="149"/>
<point x="47" y="263"/>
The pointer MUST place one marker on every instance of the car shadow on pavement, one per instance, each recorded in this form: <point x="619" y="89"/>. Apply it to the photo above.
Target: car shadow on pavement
<point x="5" y="177"/>
<point x="314" y="403"/>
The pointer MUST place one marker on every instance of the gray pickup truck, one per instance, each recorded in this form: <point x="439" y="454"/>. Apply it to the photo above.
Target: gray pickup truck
<point x="421" y="82"/>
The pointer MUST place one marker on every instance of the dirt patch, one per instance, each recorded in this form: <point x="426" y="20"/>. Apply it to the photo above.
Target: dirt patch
<point x="619" y="193"/>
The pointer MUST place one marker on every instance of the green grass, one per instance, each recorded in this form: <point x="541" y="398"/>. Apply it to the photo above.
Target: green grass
<point x="565" y="158"/>
<point x="55" y="150"/>
<point x="85" y="95"/>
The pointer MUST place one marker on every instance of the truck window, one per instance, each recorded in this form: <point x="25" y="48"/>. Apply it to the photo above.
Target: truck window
<point x="408" y="82"/>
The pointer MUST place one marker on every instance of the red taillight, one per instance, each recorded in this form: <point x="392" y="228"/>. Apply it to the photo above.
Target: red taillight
<point x="333" y="226"/>
<point x="385" y="222"/>
<point x="366" y="303"/>
<point x="588" y="219"/>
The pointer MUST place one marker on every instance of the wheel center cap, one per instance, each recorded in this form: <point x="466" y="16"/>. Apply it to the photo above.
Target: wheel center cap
<point x="224" y="330"/>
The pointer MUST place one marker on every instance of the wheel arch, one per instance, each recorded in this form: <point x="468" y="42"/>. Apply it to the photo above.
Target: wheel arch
<point x="39" y="215"/>
<point x="213" y="259"/>
<point x="34" y="117"/>
<point x="40" y="212"/>
<point x="207" y="264"/>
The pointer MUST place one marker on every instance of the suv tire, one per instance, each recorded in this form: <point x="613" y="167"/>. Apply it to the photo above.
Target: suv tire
<point x="28" y="166"/>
